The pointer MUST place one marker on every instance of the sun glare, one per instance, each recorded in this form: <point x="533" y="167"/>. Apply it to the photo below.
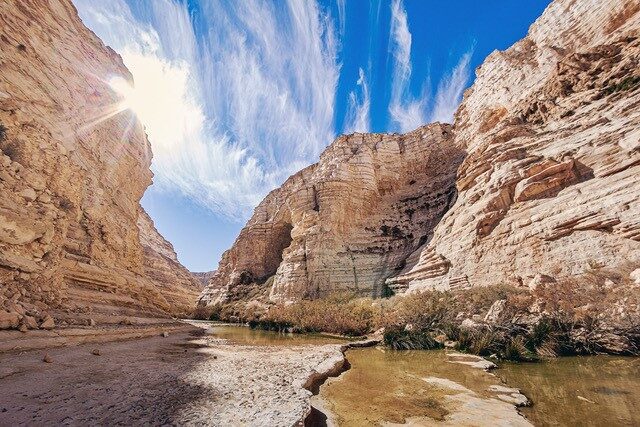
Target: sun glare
<point x="127" y="92"/>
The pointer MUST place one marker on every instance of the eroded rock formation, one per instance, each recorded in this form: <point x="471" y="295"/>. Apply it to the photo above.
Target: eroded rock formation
<point x="73" y="167"/>
<point x="549" y="186"/>
<point x="346" y="223"/>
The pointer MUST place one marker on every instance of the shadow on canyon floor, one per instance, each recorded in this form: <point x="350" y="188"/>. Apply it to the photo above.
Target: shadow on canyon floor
<point x="139" y="381"/>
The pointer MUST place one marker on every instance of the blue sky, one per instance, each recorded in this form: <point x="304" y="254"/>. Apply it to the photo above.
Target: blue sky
<point x="238" y="95"/>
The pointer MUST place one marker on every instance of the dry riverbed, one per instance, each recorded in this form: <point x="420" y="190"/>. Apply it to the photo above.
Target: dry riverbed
<point x="190" y="377"/>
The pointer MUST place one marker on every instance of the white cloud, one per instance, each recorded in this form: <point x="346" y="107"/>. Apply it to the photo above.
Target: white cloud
<point x="342" y="14"/>
<point x="450" y="91"/>
<point x="231" y="111"/>
<point x="408" y="112"/>
<point x="358" y="109"/>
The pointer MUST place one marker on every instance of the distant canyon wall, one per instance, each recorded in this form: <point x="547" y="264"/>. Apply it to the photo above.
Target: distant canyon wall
<point x="538" y="179"/>
<point x="74" y="240"/>
<point x="346" y="223"/>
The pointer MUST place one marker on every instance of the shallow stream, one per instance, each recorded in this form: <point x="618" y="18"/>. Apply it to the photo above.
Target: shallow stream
<point x="388" y="387"/>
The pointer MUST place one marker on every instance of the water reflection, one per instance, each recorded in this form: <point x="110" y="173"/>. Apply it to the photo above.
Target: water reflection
<point x="586" y="391"/>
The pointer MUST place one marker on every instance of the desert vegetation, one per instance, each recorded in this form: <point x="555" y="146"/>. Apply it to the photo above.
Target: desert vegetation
<point x="597" y="312"/>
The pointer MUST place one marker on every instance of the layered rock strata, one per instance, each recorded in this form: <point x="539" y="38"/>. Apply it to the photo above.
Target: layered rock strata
<point x="550" y="186"/>
<point x="73" y="167"/>
<point x="346" y="223"/>
<point x="548" y="189"/>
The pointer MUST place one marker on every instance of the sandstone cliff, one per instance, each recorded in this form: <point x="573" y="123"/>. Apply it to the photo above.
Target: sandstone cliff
<point x="346" y="223"/>
<point x="550" y="137"/>
<point x="550" y="185"/>
<point x="73" y="167"/>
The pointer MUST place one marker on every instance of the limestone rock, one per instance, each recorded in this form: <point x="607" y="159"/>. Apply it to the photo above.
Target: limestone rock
<point x="9" y="320"/>
<point x="48" y="323"/>
<point x="495" y="310"/>
<point x="538" y="178"/>
<point x="204" y="276"/>
<point x="177" y="285"/>
<point x="346" y="223"/>
<point x="74" y="166"/>
<point x="549" y="187"/>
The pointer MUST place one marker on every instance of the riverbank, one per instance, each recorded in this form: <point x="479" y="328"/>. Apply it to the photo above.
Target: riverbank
<point x="212" y="374"/>
<point x="187" y="377"/>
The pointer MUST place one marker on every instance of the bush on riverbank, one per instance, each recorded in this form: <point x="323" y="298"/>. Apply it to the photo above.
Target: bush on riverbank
<point x="598" y="312"/>
<point x="595" y="313"/>
<point x="338" y="314"/>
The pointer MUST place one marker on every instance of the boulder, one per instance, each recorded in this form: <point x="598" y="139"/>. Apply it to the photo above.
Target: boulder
<point x="9" y="320"/>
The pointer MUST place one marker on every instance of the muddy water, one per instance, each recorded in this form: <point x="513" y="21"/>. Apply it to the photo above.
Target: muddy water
<point x="385" y="386"/>
<point x="585" y="391"/>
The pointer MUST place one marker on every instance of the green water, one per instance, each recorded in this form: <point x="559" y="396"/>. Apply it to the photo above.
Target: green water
<point x="585" y="391"/>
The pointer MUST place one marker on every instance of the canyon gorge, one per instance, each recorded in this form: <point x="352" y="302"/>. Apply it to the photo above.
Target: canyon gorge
<point x="535" y="187"/>
<point x="536" y="181"/>
<point x="76" y="247"/>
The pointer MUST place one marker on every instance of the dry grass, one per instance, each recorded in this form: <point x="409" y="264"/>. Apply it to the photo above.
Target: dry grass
<point x="598" y="312"/>
<point x="340" y="314"/>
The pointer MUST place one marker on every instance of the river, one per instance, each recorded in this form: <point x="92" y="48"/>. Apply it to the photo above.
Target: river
<point x="385" y="387"/>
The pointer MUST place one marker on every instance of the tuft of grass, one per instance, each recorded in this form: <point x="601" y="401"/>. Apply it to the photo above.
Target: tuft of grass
<point x="401" y="339"/>
<point x="627" y="84"/>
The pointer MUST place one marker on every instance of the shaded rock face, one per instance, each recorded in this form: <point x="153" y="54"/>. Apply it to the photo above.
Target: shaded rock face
<point x="177" y="285"/>
<point x="550" y="137"/>
<point x="348" y="222"/>
<point x="550" y="183"/>
<point x="73" y="167"/>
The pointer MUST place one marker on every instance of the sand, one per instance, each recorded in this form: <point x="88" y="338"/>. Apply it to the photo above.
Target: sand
<point x="186" y="378"/>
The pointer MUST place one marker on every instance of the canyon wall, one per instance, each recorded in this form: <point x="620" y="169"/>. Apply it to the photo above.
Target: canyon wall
<point x="550" y="187"/>
<point x="346" y="223"/>
<point x="74" y="240"/>
<point x="546" y="145"/>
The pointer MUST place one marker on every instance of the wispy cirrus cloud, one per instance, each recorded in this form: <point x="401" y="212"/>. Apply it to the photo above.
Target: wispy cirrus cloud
<point x="358" y="110"/>
<point x="451" y="89"/>
<point x="406" y="111"/>
<point x="234" y="109"/>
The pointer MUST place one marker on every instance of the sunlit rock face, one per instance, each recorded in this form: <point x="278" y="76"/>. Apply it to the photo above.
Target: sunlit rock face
<point x="73" y="168"/>
<point x="346" y="223"/>
<point x="551" y="182"/>
<point x="549" y="187"/>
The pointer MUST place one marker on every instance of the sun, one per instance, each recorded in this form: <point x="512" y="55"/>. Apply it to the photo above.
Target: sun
<point x="130" y="98"/>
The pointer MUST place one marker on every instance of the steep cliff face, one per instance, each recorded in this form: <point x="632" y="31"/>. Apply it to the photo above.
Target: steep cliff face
<point x="548" y="188"/>
<point x="73" y="168"/>
<point x="346" y="223"/>
<point x="177" y="285"/>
